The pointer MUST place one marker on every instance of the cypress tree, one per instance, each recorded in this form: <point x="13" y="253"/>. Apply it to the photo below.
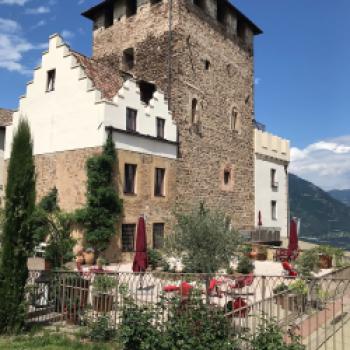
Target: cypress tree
<point x="104" y="207"/>
<point x="17" y="240"/>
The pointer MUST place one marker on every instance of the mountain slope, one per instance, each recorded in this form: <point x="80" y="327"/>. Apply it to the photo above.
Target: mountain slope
<point x="319" y="212"/>
<point x="341" y="195"/>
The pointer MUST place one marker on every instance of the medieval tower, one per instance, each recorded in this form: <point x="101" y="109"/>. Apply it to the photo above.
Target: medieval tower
<point x="200" y="54"/>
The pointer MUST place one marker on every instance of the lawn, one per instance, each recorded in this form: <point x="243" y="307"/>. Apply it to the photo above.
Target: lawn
<point x="50" y="342"/>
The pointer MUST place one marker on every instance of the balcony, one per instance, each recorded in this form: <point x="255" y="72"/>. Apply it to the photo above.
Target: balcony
<point x="271" y="235"/>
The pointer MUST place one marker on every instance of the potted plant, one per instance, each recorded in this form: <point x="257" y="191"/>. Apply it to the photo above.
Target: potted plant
<point x="101" y="261"/>
<point x="102" y="300"/>
<point x="89" y="256"/>
<point x="325" y="256"/>
<point x="245" y="265"/>
<point x="292" y="297"/>
<point x="155" y="259"/>
<point x="261" y="253"/>
<point x="247" y="250"/>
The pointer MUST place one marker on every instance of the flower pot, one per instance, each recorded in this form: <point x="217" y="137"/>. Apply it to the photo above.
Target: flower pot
<point x="325" y="261"/>
<point x="80" y="259"/>
<point x="261" y="256"/>
<point x="291" y="302"/>
<point x="89" y="258"/>
<point x="102" y="302"/>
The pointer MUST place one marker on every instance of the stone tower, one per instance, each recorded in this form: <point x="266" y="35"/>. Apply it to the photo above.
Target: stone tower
<point x="200" y="53"/>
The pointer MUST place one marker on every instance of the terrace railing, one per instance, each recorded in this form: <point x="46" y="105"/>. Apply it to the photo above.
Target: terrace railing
<point x="320" y="315"/>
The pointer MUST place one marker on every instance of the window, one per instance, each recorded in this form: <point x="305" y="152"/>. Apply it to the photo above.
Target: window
<point x="131" y="115"/>
<point x="194" y="107"/>
<point x="129" y="178"/>
<point x="109" y="15"/>
<point x="159" y="182"/>
<point x="158" y="236"/>
<point x="199" y="3"/>
<point x="241" y="29"/>
<point x="51" y="77"/>
<point x="128" y="236"/>
<point x="234" y="120"/>
<point x="227" y="177"/>
<point x="146" y="91"/>
<point x="160" y="127"/>
<point x="128" y="58"/>
<point x="131" y="7"/>
<point x="274" y="183"/>
<point x="220" y="12"/>
<point x="273" y="210"/>
<point x="206" y="64"/>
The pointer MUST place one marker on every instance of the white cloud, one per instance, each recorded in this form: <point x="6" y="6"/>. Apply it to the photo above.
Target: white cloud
<point x="13" y="2"/>
<point x="13" y="45"/>
<point x="67" y="34"/>
<point x="37" y="10"/>
<point x="325" y="163"/>
<point x="257" y="81"/>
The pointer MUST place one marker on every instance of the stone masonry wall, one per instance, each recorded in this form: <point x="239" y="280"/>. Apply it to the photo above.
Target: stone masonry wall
<point x="209" y="146"/>
<point x="67" y="171"/>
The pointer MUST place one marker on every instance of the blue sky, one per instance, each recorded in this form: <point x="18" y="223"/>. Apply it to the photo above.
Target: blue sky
<point x="302" y="70"/>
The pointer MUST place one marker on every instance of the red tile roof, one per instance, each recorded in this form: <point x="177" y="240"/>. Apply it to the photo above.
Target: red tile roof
<point x="5" y="117"/>
<point x="106" y="78"/>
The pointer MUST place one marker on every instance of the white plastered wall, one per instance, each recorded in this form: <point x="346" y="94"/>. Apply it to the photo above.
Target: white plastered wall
<point x="271" y="152"/>
<point x="264" y="194"/>
<point x="74" y="115"/>
<point x="67" y="118"/>
<point x="129" y="96"/>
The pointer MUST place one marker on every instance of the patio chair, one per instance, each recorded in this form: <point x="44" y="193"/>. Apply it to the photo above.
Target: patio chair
<point x="240" y="305"/>
<point x="244" y="281"/>
<point x="285" y="254"/>
<point x="289" y="270"/>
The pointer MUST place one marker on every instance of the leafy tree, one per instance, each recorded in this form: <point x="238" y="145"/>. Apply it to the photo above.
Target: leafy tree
<point x="50" y="224"/>
<point x="204" y="240"/>
<point x="17" y="237"/>
<point x="104" y="207"/>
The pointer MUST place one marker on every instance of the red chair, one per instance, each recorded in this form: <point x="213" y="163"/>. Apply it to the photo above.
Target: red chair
<point x="284" y="254"/>
<point x="214" y="288"/>
<point x="240" y="305"/>
<point x="289" y="269"/>
<point x="243" y="281"/>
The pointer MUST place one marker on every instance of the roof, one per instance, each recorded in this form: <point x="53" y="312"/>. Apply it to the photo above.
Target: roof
<point x="93" y="11"/>
<point x="103" y="75"/>
<point x="5" y="117"/>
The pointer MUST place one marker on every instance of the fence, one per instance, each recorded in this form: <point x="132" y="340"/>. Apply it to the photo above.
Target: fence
<point x="317" y="309"/>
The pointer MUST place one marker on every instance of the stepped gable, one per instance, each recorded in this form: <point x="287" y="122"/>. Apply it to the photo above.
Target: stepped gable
<point x="104" y="77"/>
<point x="5" y="117"/>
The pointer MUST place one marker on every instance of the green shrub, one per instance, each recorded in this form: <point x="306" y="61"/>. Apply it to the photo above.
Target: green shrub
<point x="204" y="240"/>
<point x="155" y="258"/>
<point x="104" y="283"/>
<point x="17" y="238"/>
<point x="308" y="262"/>
<point x="99" y="330"/>
<point x="270" y="336"/>
<point x="245" y="265"/>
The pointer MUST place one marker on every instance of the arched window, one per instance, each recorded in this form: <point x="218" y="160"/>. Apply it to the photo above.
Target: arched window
<point x="235" y="123"/>
<point x="194" y="111"/>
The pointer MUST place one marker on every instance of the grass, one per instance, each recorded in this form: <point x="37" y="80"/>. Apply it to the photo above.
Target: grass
<point x="50" y="342"/>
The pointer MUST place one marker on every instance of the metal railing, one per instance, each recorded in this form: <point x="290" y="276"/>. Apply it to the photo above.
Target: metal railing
<point x="319" y="316"/>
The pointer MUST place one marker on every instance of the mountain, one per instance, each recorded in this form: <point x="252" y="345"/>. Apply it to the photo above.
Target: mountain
<point x="322" y="216"/>
<point x="341" y="195"/>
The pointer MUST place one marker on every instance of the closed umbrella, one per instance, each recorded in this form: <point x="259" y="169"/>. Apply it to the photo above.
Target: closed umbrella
<point x="293" y="236"/>
<point x="259" y="224"/>
<point x="140" y="259"/>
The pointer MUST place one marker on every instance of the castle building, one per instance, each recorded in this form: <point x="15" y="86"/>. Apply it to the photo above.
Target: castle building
<point x="272" y="157"/>
<point x="173" y="81"/>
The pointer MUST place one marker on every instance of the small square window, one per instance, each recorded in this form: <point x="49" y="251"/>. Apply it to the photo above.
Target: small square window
<point x="273" y="210"/>
<point x="227" y="177"/>
<point x="129" y="178"/>
<point x="128" y="58"/>
<point x="158" y="236"/>
<point x="159" y="182"/>
<point x="51" y="79"/>
<point x="160" y="127"/>
<point x="128" y="237"/>
<point x="131" y="115"/>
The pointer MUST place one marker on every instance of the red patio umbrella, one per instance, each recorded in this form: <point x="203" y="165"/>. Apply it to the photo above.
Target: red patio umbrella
<point x="140" y="259"/>
<point x="293" y="235"/>
<point x="259" y="219"/>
